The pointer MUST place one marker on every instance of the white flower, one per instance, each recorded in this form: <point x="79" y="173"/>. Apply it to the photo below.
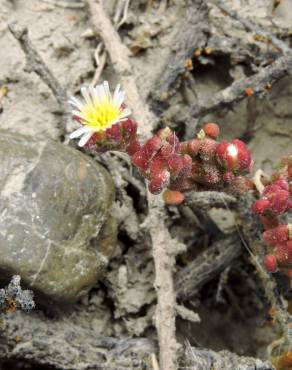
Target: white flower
<point x="99" y="110"/>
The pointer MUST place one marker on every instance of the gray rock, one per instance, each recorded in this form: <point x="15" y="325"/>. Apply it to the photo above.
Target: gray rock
<point x="56" y="228"/>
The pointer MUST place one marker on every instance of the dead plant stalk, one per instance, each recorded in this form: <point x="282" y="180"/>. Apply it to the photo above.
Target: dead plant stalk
<point x="162" y="242"/>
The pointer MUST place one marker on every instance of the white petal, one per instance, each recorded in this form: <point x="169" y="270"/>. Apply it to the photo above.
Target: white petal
<point x="78" y="114"/>
<point x="116" y="93"/>
<point x="92" y="92"/>
<point x="100" y="92"/>
<point x="85" y="138"/>
<point x="113" y="123"/>
<point x="106" y="89"/>
<point x="95" y="95"/>
<point x="86" y="95"/>
<point x="120" y="99"/>
<point x="80" y="131"/>
<point x="125" y="113"/>
<point x="75" y="102"/>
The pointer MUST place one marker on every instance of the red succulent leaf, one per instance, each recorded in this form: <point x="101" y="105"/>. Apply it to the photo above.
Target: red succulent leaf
<point x="159" y="182"/>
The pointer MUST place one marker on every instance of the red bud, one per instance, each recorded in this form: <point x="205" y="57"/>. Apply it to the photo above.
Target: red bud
<point x="212" y="130"/>
<point x="173" y="197"/>
<point x="208" y="149"/>
<point x="270" y="263"/>
<point x="234" y="156"/>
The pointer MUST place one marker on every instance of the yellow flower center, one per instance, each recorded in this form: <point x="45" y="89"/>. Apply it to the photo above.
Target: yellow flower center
<point x="100" y="115"/>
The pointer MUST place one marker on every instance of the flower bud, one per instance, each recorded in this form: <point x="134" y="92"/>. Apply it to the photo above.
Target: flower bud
<point x="270" y="263"/>
<point x="283" y="184"/>
<point x="192" y="147"/>
<point x="172" y="197"/>
<point x="277" y="235"/>
<point x="208" y="149"/>
<point x="278" y="197"/>
<point x="260" y="206"/>
<point x="211" y="174"/>
<point x="279" y="202"/>
<point x="212" y="130"/>
<point x="282" y="253"/>
<point x="234" y="156"/>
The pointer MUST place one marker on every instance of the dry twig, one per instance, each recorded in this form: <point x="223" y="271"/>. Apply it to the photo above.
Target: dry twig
<point x="206" y="266"/>
<point x="208" y="199"/>
<point x="204" y="359"/>
<point x="162" y="242"/>
<point x="119" y="54"/>
<point x="64" y="4"/>
<point x="63" y="345"/>
<point x="259" y="83"/>
<point x="154" y="361"/>
<point x="192" y="34"/>
<point x="121" y="14"/>
<point x="249" y="25"/>
<point x="221" y="283"/>
<point x="257" y="180"/>
<point x="187" y="314"/>
<point x="100" y="59"/>
<point x="37" y="65"/>
<point x="100" y="54"/>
